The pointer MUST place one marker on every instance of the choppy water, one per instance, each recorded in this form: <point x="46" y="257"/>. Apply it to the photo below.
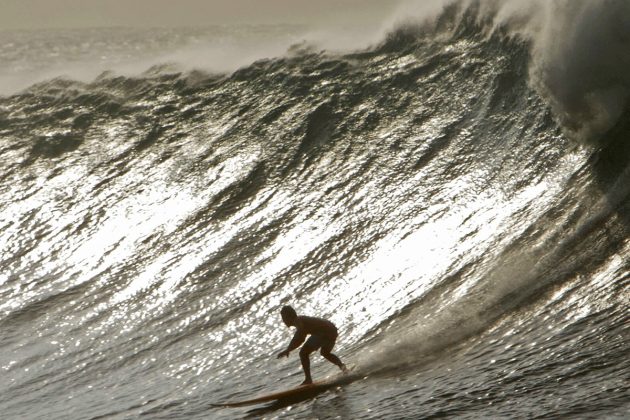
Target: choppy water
<point x="421" y="194"/>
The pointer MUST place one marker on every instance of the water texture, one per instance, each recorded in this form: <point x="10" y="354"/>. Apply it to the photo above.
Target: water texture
<point x="432" y="195"/>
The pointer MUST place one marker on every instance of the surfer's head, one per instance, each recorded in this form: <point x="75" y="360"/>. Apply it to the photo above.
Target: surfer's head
<point x="288" y="315"/>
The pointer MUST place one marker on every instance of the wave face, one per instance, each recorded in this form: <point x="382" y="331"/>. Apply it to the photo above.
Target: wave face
<point x="422" y="194"/>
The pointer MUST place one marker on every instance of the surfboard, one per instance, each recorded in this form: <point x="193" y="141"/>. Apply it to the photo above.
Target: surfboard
<point x="303" y="391"/>
<point x="299" y="393"/>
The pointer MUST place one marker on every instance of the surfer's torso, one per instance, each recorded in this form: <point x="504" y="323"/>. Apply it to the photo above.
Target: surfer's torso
<point x="315" y="326"/>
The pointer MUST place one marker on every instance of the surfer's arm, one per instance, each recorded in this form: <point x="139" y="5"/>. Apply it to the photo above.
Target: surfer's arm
<point x="296" y="342"/>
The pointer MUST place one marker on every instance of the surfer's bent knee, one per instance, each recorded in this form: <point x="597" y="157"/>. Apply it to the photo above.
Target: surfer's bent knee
<point x="305" y="351"/>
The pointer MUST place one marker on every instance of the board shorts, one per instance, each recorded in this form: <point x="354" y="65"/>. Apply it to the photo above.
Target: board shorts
<point x="316" y="342"/>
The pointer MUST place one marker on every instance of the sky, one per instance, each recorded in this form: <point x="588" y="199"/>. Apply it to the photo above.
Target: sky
<point x="36" y="14"/>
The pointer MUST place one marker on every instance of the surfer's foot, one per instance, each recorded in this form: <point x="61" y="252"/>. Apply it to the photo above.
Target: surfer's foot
<point x="307" y="382"/>
<point x="344" y="369"/>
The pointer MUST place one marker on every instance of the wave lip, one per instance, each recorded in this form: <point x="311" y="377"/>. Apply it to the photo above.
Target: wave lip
<point x="579" y="60"/>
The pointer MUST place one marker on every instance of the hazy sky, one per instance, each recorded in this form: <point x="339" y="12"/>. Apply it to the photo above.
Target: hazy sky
<point x="88" y="13"/>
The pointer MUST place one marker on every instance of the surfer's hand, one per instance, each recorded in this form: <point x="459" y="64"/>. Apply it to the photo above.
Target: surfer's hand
<point x="283" y="353"/>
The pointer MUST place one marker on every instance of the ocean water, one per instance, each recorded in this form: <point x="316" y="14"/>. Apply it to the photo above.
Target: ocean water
<point x="455" y="197"/>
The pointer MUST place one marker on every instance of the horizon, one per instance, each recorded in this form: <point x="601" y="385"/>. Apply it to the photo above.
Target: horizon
<point x="76" y="14"/>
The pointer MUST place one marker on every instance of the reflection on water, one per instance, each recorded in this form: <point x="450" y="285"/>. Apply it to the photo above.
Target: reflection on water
<point x="152" y="227"/>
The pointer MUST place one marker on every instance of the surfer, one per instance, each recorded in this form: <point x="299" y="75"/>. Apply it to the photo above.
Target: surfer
<point x="323" y="334"/>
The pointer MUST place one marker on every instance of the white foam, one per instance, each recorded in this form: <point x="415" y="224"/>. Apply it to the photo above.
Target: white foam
<point x="580" y="55"/>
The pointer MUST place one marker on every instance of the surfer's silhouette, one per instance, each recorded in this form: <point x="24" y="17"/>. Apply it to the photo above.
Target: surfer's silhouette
<point x="323" y="334"/>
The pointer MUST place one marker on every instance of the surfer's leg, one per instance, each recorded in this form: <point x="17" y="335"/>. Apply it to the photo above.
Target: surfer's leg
<point x="327" y="347"/>
<point x="311" y="345"/>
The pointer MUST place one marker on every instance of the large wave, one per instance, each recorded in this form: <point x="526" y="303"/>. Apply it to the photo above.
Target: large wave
<point x="421" y="193"/>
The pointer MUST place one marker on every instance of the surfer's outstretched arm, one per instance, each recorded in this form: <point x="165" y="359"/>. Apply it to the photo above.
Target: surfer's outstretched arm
<point x="296" y="342"/>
